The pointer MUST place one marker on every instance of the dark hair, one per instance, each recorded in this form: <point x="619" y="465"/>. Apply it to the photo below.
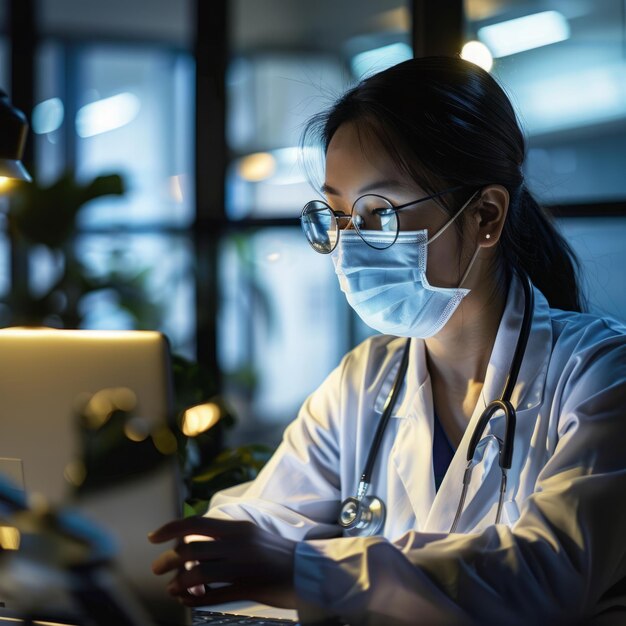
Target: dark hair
<point x="446" y="123"/>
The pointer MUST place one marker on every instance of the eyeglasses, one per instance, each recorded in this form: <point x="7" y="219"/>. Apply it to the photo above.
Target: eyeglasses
<point x="370" y="215"/>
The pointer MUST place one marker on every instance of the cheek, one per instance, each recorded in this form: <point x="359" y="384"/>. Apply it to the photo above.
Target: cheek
<point x="410" y="220"/>
<point x="427" y="216"/>
<point x="442" y="265"/>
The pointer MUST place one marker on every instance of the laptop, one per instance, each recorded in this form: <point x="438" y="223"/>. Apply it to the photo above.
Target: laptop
<point x="47" y="378"/>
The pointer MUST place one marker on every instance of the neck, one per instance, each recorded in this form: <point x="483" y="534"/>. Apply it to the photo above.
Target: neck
<point x="458" y="355"/>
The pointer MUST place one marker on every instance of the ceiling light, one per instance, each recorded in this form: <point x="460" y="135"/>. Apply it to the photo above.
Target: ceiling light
<point x="477" y="53"/>
<point x="48" y="116"/>
<point x="257" y="167"/>
<point x="107" y="114"/>
<point x="524" y="33"/>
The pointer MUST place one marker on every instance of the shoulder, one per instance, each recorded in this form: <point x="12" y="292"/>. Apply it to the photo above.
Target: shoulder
<point x="584" y="335"/>
<point x="573" y="322"/>
<point x="588" y="355"/>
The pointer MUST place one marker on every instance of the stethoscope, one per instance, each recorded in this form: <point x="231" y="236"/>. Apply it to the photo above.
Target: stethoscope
<point x="365" y="515"/>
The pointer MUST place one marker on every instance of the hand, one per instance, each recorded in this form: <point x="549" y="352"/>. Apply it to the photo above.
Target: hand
<point x="253" y="563"/>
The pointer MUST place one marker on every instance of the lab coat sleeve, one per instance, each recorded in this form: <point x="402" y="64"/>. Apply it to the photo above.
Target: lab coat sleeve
<point x="297" y="493"/>
<point x="563" y="562"/>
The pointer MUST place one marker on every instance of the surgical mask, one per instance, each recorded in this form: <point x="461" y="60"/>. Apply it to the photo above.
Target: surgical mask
<point x="388" y="288"/>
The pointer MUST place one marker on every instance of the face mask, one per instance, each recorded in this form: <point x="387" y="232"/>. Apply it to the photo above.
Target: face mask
<point x="388" y="288"/>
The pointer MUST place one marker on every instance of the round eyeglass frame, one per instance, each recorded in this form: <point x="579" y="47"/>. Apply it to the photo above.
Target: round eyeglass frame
<point x="335" y="216"/>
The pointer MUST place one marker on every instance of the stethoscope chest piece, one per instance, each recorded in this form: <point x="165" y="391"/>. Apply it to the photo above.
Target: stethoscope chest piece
<point x="364" y="517"/>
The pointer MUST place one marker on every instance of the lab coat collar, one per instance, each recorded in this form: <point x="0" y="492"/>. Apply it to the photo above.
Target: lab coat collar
<point x="434" y="511"/>
<point x="416" y="388"/>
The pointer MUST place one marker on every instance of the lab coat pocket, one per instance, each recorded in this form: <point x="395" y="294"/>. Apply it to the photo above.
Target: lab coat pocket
<point x="510" y="513"/>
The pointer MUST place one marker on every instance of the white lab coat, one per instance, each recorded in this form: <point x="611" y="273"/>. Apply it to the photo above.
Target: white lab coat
<point x="559" y="553"/>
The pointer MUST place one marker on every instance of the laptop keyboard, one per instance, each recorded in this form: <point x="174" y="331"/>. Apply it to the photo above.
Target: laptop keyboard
<point x="201" y="616"/>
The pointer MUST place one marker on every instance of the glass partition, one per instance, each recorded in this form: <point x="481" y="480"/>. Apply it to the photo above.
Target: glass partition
<point x="290" y="61"/>
<point x="599" y="244"/>
<point x="284" y="324"/>
<point x="114" y="94"/>
<point x="564" y="67"/>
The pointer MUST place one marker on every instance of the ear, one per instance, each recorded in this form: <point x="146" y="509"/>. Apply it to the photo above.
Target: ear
<point x="490" y="212"/>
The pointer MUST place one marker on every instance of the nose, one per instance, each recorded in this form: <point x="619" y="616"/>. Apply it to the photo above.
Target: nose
<point x="345" y="222"/>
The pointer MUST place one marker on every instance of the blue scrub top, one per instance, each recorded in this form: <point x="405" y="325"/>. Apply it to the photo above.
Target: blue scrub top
<point x="442" y="452"/>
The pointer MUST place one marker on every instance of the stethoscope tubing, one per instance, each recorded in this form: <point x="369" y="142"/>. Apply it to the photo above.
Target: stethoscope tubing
<point x="502" y="404"/>
<point x="384" y="420"/>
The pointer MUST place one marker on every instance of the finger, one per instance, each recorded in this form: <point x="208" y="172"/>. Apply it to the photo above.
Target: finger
<point x="265" y="594"/>
<point x="207" y="573"/>
<point x="166" y="562"/>
<point x="199" y="525"/>
<point x="201" y="575"/>
<point x="219" y="595"/>
<point x="196" y="551"/>
<point x="198" y="590"/>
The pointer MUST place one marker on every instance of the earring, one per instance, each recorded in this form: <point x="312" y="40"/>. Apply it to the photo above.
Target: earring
<point x="487" y="236"/>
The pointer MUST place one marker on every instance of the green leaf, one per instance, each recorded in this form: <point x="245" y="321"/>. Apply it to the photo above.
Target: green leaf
<point x="47" y="214"/>
<point x="195" y="507"/>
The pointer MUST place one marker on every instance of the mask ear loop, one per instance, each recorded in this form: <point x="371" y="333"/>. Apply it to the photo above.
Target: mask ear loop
<point x="469" y="266"/>
<point x="443" y="228"/>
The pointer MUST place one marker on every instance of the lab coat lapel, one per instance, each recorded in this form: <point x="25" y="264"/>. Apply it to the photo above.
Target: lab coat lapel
<point x="482" y="497"/>
<point x="410" y="463"/>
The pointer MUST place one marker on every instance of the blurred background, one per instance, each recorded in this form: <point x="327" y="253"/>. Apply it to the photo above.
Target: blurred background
<point x="164" y="147"/>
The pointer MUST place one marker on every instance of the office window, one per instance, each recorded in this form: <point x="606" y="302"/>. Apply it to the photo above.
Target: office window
<point x="599" y="244"/>
<point x="159" y="21"/>
<point x="51" y="119"/>
<point x="271" y="96"/>
<point x="284" y="323"/>
<point x="129" y="112"/>
<point x="290" y="61"/>
<point x="563" y="65"/>
<point x="114" y="94"/>
<point x="134" y="116"/>
<point x="123" y="109"/>
<point x="155" y="272"/>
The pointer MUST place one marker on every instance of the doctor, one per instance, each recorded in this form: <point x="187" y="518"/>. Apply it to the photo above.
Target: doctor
<point x="432" y="232"/>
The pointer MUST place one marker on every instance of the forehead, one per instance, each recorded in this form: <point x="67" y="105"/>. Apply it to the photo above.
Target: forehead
<point x="355" y="159"/>
<point x="353" y="144"/>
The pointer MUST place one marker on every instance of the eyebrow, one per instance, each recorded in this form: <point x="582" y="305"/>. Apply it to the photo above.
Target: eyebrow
<point x="379" y="185"/>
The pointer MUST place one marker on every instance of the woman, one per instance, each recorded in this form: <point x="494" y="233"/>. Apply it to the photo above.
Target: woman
<point x="433" y="232"/>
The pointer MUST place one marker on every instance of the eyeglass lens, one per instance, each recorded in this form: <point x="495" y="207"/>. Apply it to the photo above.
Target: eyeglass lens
<point x="371" y="214"/>
<point x="320" y="226"/>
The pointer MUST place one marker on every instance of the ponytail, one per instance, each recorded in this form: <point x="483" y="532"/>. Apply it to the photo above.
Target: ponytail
<point x="531" y="242"/>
